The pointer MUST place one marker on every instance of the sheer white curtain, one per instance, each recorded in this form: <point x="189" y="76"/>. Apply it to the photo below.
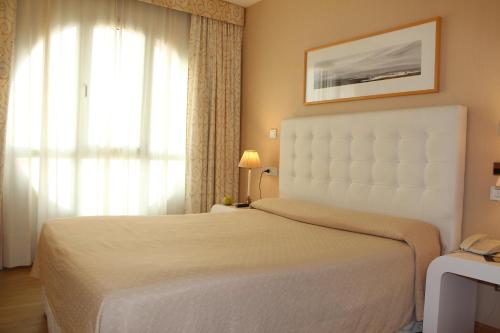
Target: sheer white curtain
<point x="97" y="114"/>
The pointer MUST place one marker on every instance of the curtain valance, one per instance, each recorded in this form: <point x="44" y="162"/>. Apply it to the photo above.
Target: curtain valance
<point x="214" y="9"/>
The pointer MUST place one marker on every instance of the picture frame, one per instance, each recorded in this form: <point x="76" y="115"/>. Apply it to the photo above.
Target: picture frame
<point x="404" y="60"/>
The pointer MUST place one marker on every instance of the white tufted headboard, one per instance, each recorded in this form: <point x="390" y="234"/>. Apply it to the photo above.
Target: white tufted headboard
<point x="406" y="163"/>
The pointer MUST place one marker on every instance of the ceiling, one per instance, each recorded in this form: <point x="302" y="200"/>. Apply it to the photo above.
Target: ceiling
<point x="244" y="3"/>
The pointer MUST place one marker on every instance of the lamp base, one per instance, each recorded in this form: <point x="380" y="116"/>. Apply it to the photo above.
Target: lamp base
<point x="244" y="204"/>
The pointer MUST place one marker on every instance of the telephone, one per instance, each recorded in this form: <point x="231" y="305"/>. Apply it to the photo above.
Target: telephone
<point x="480" y="244"/>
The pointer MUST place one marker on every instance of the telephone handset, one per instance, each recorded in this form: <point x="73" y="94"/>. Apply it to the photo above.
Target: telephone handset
<point x="480" y="244"/>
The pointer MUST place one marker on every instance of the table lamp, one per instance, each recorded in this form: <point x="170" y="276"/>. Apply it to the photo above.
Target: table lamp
<point x="250" y="160"/>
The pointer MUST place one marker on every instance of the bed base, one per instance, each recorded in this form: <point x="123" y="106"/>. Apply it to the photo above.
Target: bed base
<point x="49" y="314"/>
<point x="412" y="327"/>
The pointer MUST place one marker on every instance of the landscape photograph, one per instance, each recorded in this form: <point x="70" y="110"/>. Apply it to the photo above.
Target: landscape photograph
<point x="391" y="62"/>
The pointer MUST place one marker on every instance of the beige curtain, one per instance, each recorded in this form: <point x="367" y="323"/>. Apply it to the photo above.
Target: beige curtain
<point x="213" y="120"/>
<point x="7" y="28"/>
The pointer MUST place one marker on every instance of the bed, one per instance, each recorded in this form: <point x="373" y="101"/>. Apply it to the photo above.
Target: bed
<point x="367" y="200"/>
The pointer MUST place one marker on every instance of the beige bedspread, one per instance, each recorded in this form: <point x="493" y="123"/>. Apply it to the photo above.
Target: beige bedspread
<point x="247" y="271"/>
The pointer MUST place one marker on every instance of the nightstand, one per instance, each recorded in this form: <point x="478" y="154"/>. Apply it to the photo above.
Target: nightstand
<point x="450" y="293"/>
<point x="219" y="208"/>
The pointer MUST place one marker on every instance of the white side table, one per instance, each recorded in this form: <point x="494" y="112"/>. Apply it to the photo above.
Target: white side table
<point x="219" y="208"/>
<point x="450" y="293"/>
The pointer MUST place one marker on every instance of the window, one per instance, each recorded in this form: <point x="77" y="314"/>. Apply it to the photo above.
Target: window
<point x="97" y="111"/>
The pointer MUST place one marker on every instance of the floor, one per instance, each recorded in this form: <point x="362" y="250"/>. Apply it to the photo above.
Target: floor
<point x="21" y="307"/>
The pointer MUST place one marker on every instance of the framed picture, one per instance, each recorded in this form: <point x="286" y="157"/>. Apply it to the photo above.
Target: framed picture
<point x="395" y="62"/>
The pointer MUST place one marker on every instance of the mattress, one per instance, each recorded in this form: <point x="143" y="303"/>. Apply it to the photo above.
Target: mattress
<point x="260" y="270"/>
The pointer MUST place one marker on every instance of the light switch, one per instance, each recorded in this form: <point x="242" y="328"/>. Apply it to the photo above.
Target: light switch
<point x="495" y="193"/>
<point x="273" y="133"/>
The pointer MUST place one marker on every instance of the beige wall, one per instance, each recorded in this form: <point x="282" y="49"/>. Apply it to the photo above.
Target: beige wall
<point x="278" y="31"/>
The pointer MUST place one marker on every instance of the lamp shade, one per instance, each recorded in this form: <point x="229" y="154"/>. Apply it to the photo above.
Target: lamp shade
<point x="250" y="160"/>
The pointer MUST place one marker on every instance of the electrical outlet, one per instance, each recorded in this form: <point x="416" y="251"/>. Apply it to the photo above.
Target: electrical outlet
<point x="273" y="171"/>
<point x="495" y="193"/>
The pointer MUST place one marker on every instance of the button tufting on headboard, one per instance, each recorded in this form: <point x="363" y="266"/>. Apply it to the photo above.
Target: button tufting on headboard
<point x="401" y="162"/>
